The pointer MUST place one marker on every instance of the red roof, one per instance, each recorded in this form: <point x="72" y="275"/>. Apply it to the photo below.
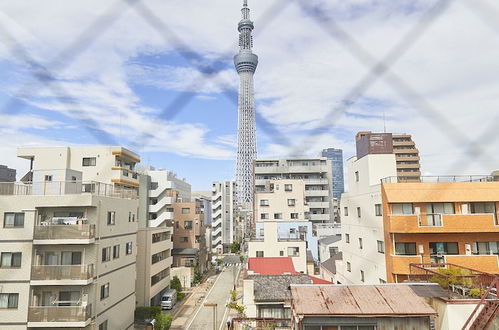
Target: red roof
<point x="271" y="265"/>
<point x="316" y="280"/>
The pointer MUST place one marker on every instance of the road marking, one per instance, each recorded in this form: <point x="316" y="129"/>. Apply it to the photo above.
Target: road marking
<point x="205" y="297"/>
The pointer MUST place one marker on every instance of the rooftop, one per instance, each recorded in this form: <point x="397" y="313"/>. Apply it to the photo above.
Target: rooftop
<point x="271" y="265"/>
<point x="330" y="239"/>
<point x="330" y="264"/>
<point x="273" y="288"/>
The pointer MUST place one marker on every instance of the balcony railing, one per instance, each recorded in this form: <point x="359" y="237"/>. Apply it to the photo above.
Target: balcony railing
<point x="437" y="222"/>
<point x="64" y="232"/>
<point x="58" y="188"/>
<point x="59" y="313"/>
<point x="62" y="272"/>
<point x="442" y="178"/>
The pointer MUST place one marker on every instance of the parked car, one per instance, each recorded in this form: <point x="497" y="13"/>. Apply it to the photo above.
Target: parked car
<point x="169" y="299"/>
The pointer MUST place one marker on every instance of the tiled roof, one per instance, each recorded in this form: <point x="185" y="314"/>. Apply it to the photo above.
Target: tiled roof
<point x="330" y="239"/>
<point x="330" y="264"/>
<point x="316" y="280"/>
<point x="276" y="288"/>
<point x="271" y="265"/>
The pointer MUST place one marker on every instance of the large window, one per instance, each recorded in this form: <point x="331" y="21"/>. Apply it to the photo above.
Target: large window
<point x="486" y="248"/>
<point x="104" y="291"/>
<point x="10" y="259"/>
<point x="158" y="237"/>
<point x="159" y="276"/>
<point x="9" y="300"/>
<point x="407" y="249"/>
<point x="442" y="248"/>
<point x="402" y="208"/>
<point x="13" y="220"/>
<point x="186" y="210"/>
<point x="187" y="224"/>
<point x="184" y="239"/>
<point x="293" y="251"/>
<point x="111" y="218"/>
<point x="89" y="161"/>
<point x="483" y="207"/>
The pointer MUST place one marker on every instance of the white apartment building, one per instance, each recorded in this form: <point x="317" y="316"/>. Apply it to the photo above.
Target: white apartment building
<point x="223" y="222"/>
<point x="159" y="190"/>
<point x="108" y="164"/>
<point x="362" y="241"/>
<point x="67" y="253"/>
<point x="317" y="176"/>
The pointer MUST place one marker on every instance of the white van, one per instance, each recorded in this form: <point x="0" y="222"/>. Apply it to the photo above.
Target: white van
<point x="169" y="299"/>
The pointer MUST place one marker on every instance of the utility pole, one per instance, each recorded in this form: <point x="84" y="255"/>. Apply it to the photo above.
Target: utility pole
<point x="214" y="313"/>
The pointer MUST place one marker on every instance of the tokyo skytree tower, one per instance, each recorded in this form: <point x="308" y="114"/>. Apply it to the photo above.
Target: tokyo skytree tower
<point x="245" y="62"/>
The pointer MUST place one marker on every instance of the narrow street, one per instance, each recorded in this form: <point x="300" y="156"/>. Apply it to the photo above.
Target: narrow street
<point x="202" y="318"/>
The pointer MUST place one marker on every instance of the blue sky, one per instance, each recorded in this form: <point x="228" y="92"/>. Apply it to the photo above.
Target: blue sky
<point x="116" y="87"/>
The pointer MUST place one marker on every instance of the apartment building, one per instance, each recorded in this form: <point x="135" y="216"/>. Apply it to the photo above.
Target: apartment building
<point x="159" y="190"/>
<point x="7" y="174"/>
<point x="224" y="222"/>
<point x="336" y="158"/>
<point x="363" y="237"/>
<point x="401" y="145"/>
<point x="189" y="236"/>
<point x="154" y="260"/>
<point x="317" y="176"/>
<point x="67" y="253"/>
<point x="440" y="220"/>
<point x="108" y="164"/>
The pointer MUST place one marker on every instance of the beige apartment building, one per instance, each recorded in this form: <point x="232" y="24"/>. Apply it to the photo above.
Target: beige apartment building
<point x="67" y="253"/>
<point x="189" y="236"/>
<point x="154" y="260"/>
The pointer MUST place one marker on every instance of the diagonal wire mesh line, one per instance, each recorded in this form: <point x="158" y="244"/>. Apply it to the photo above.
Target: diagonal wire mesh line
<point x="377" y="68"/>
<point x="207" y="71"/>
<point x="44" y="76"/>
<point x="82" y="42"/>
<point x="397" y="83"/>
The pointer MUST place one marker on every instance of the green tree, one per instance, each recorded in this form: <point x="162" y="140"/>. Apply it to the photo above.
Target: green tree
<point x="241" y="258"/>
<point x="235" y="247"/>
<point x="163" y="321"/>
<point x="175" y="284"/>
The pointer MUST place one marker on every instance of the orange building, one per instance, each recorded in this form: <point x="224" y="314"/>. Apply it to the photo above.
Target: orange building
<point x="440" y="222"/>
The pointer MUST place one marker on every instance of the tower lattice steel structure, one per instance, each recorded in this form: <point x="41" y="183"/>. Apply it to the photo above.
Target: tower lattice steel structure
<point x="245" y="62"/>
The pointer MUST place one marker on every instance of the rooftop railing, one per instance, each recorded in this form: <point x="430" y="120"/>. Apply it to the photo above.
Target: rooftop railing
<point x="441" y="179"/>
<point x="55" y="188"/>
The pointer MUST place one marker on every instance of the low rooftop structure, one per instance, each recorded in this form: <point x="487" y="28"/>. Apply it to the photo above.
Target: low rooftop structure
<point x="271" y="266"/>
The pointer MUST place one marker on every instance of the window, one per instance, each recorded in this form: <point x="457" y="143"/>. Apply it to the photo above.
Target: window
<point x="358" y="212"/>
<point x="128" y="248"/>
<point x="483" y="207"/>
<point x="264" y="202"/>
<point x="153" y="186"/>
<point x="486" y="248"/>
<point x="281" y="253"/>
<point x="293" y="251"/>
<point x="103" y="325"/>
<point x="157" y="257"/>
<point x="177" y="225"/>
<point x="377" y="210"/>
<point x="441" y="248"/>
<point x="116" y="252"/>
<point x="333" y="251"/>
<point x="163" y="274"/>
<point x="111" y="218"/>
<point x="104" y="291"/>
<point x="264" y="216"/>
<point x="184" y="239"/>
<point x="48" y="177"/>
<point x="9" y="300"/>
<point x="381" y="246"/>
<point x="291" y="202"/>
<point x="362" y="278"/>
<point x="347" y="238"/>
<point x="106" y="254"/>
<point x="349" y="267"/>
<point x="158" y="237"/>
<point x="288" y="187"/>
<point x="129" y="216"/>
<point x="407" y="249"/>
<point x="360" y="244"/>
<point x="10" y="259"/>
<point x="356" y="176"/>
<point x="187" y="224"/>
<point x="88" y="161"/>
<point x="13" y="220"/>
<point x="402" y="208"/>
<point x="277" y="215"/>
<point x="294" y="215"/>
<point x="259" y="254"/>
<point x="186" y="210"/>
<point x="345" y="211"/>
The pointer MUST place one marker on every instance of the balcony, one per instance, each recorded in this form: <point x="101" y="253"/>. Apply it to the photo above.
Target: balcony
<point x="62" y="274"/>
<point x="444" y="223"/>
<point x="64" y="234"/>
<point x="318" y="205"/>
<point x="59" y="316"/>
<point x="319" y="193"/>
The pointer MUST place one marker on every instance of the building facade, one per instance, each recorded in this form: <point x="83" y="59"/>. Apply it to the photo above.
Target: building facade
<point x="336" y="158"/>
<point x="68" y="255"/>
<point x="7" y="174"/>
<point x="224" y="222"/>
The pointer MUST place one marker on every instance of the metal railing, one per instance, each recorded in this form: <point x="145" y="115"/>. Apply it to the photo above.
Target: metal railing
<point x="59" y="313"/>
<point x="56" y="188"/>
<point x="80" y="231"/>
<point x="259" y="323"/>
<point x="62" y="272"/>
<point x="441" y="179"/>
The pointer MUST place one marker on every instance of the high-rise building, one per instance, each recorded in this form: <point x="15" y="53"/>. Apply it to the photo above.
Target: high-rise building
<point x="7" y="174"/>
<point x="223" y="216"/>
<point x="402" y="145"/>
<point x="245" y="62"/>
<point x="336" y="158"/>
